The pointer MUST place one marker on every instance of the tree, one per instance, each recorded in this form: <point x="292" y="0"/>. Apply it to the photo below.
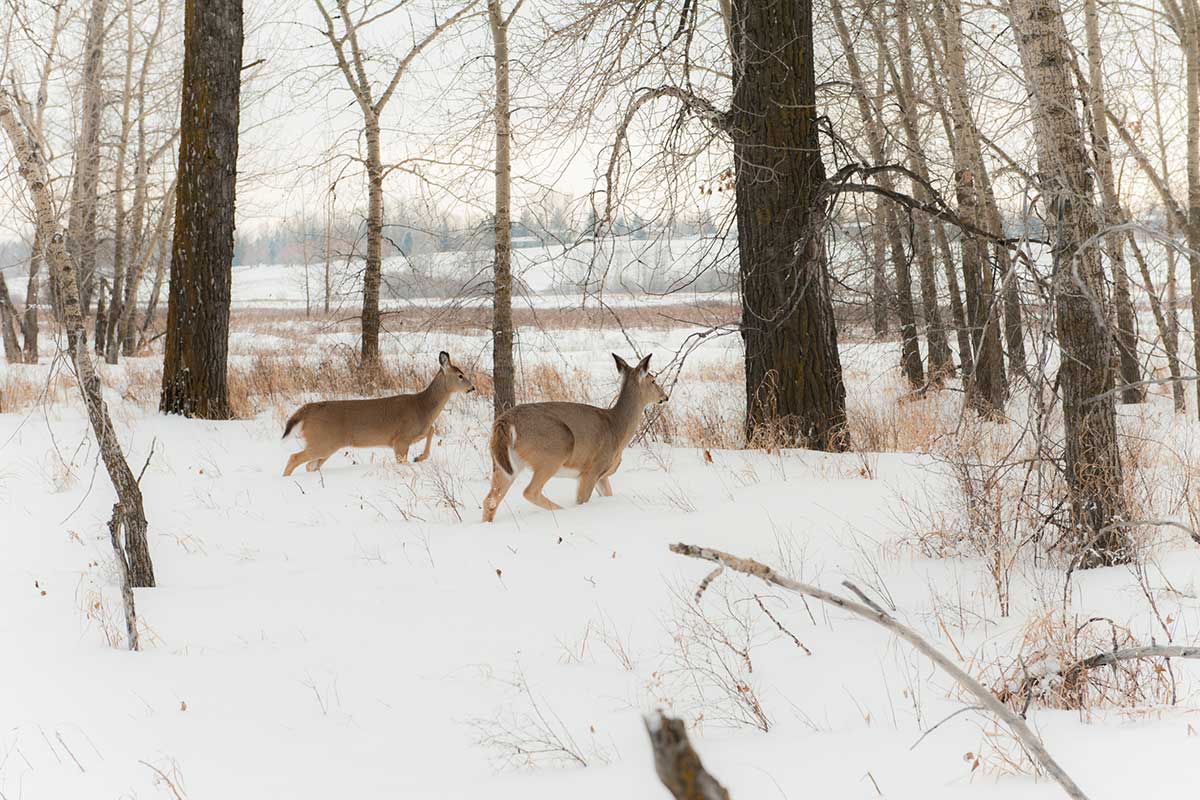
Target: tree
<point x="1093" y="461"/>
<point x="794" y="386"/>
<point x="128" y="514"/>
<point x="352" y="61"/>
<point x="504" y="392"/>
<point x="81" y="222"/>
<point x="198" y="295"/>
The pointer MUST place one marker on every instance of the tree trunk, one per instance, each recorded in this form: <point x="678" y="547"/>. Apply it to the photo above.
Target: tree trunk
<point x="966" y="352"/>
<point x="1168" y="335"/>
<point x="1190" y="38"/>
<point x="879" y="286"/>
<point x="135" y="560"/>
<point x="373" y="274"/>
<point x="986" y="390"/>
<point x="1093" y="460"/>
<point x="155" y="290"/>
<point x="197" y="340"/>
<point x="910" y="351"/>
<point x="794" y="388"/>
<point x="81" y="221"/>
<point x="1130" y="374"/>
<point x="504" y="396"/>
<point x="101" y="316"/>
<point x="8" y="326"/>
<point x="32" y="288"/>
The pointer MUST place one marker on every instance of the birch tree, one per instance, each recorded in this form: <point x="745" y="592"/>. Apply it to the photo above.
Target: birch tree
<point x="504" y="391"/>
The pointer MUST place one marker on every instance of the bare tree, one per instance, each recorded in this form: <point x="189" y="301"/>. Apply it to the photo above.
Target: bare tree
<point x="81" y="222"/>
<point x="1130" y="373"/>
<point x="128" y="513"/>
<point x="1093" y="460"/>
<point x="197" y="339"/>
<point x="352" y="59"/>
<point x="504" y="391"/>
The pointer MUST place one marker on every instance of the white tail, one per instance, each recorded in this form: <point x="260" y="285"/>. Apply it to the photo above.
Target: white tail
<point x="569" y="439"/>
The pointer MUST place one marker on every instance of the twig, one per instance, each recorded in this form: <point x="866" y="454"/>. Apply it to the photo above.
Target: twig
<point x="1029" y="740"/>
<point x="779" y="625"/>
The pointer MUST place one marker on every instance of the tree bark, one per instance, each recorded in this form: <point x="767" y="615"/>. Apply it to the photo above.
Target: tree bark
<point x="198" y="296"/>
<point x="136" y="556"/>
<point x="1093" y="460"/>
<point x="504" y="391"/>
<point x="794" y="388"/>
<point x="81" y="221"/>
<point x="677" y="764"/>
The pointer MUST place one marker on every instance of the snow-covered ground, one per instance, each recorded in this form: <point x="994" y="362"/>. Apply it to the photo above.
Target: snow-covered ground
<point x="359" y="633"/>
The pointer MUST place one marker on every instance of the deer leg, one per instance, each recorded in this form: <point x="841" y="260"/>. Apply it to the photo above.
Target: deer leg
<point x="296" y="460"/>
<point x="315" y="464"/>
<point x="501" y="481"/>
<point x="401" y="450"/>
<point x="425" y="453"/>
<point x="587" y="484"/>
<point x="605" y="487"/>
<point x="533" y="492"/>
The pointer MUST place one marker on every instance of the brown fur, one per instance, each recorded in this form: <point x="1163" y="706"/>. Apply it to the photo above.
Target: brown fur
<point x="572" y="439"/>
<point x="396" y="422"/>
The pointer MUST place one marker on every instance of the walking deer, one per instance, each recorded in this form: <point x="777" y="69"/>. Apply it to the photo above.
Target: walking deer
<point x="396" y="422"/>
<point x="568" y="439"/>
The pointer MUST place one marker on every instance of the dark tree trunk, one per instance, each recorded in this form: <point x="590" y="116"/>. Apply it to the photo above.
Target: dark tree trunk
<point x="879" y="286"/>
<point x="794" y="388"/>
<point x="197" y="339"/>
<point x="101" y="317"/>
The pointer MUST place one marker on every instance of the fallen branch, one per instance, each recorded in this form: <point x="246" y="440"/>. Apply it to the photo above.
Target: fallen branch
<point x="677" y="763"/>
<point x="1029" y="740"/>
<point x="1127" y="654"/>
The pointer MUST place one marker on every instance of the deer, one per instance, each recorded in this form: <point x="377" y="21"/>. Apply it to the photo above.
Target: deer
<point x="396" y="422"/>
<point x="569" y="439"/>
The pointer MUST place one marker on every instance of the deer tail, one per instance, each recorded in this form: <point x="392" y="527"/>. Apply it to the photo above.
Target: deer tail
<point x="502" y="439"/>
<point x="297" y="417"/>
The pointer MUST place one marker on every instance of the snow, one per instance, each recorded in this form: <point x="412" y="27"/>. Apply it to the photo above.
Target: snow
<point x="359" y="633"/>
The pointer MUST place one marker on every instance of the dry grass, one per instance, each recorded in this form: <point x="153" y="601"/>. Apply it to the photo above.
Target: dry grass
<point x="23" y="388"/>
<point x="1042" y="670"/>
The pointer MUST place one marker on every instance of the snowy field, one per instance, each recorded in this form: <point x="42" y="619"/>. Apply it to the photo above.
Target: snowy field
<point x="359" y="633"/>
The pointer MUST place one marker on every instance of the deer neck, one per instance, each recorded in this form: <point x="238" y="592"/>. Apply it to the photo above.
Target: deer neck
<point x="433" y="398"/>
<point x="626" y="412"/>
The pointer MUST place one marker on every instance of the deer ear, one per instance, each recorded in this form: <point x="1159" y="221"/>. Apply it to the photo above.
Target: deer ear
<point x="622" y="367"/>
<point x="444" y="358"/>
<point x="644" y="365"/>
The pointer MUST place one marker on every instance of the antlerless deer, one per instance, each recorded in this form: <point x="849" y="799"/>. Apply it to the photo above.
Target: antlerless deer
<point x="569" y="439"/>
<point x="396" y="422"/>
